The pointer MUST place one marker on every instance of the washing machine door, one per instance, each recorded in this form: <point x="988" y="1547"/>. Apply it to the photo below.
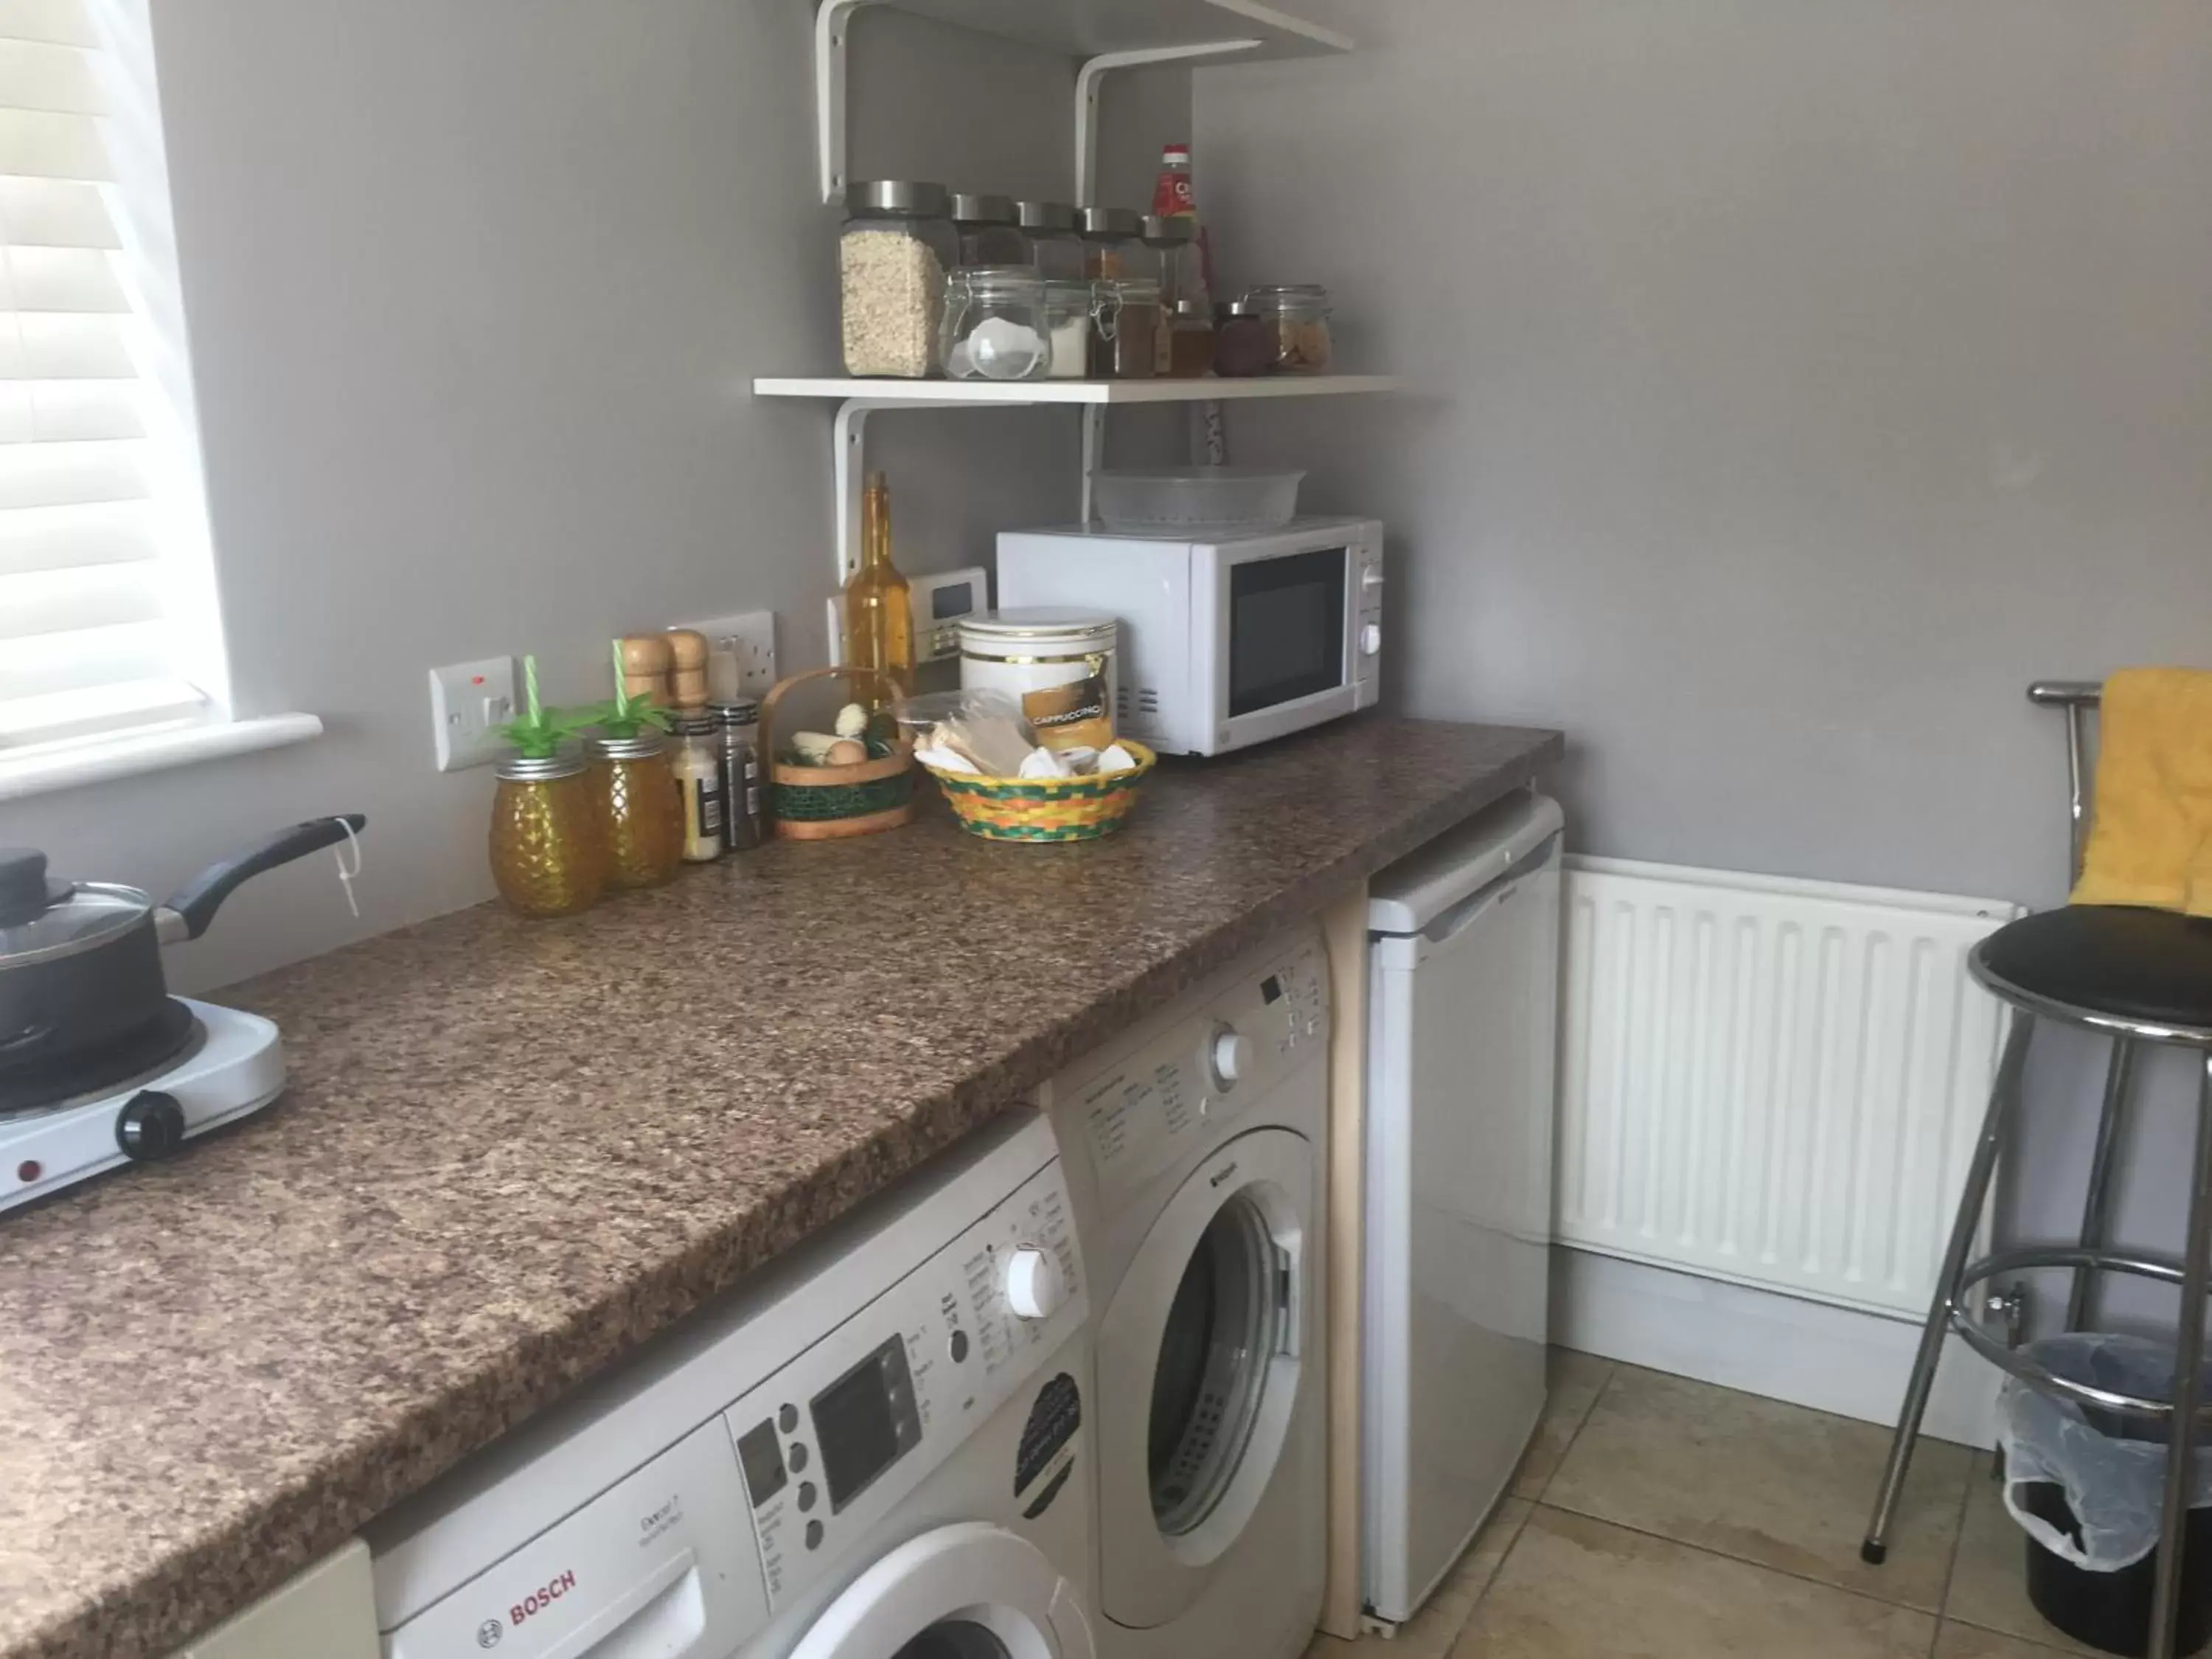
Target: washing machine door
<point x="969" y="1591"/>
<point x="1200" y="1355"/>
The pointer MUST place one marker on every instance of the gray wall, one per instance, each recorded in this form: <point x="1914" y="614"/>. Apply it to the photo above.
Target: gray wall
<point x="1794" y="383"/>
<point x="477" y="292"/>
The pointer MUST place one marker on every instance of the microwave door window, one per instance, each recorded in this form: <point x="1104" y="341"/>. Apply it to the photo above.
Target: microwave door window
<point x="1286" y="629"/>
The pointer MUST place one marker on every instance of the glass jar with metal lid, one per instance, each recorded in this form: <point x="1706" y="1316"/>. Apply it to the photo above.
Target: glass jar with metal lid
<point x="1125" y="324"/>
<point x="737" y="725"/>
<point x="1061" y="665"/>
<point x="994" y="325"/>
<point x="641" y="812"/>
<point x="990" y="231"/>
<point x="1243" y="340"/>
<point x="1113" y="242"/>
<point x="897" y="244"/>
<point x="1057" y="250"/>
<point x="1299" y="314"/>
<point x="549" y="852"/>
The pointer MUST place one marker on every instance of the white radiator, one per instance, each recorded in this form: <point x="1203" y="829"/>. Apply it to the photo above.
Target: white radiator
<point x="1773" y="1082"/>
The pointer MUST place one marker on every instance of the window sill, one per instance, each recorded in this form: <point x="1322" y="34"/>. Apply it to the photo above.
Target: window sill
<point x="127" y="753"/>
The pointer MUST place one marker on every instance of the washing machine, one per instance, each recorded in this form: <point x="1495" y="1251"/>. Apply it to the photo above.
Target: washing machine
<point x="877" y="1448"/>
<point x="1195" y="1150"/>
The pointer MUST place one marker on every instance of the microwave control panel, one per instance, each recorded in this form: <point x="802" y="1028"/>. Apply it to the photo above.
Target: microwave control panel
<point x="1367" y="632"/>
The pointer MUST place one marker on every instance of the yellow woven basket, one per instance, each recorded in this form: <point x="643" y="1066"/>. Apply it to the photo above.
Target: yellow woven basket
<point x="1046" y="809"/>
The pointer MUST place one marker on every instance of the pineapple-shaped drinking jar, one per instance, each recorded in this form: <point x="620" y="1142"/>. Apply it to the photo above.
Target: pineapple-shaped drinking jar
<point x="634" y="789"/>
<point x="549" y="849"/>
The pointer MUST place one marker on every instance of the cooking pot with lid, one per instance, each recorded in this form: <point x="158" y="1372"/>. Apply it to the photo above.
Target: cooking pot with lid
<point x="81" y="961"/>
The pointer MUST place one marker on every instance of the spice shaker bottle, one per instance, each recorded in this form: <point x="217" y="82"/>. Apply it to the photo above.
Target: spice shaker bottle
<point x="698" y="764"/>
<point x="737" y="725"/>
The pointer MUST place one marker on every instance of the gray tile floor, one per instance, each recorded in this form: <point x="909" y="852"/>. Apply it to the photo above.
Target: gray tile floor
<point x="1656" y="1518"/>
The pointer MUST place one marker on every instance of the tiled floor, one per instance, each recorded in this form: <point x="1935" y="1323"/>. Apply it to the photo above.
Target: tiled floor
<point x="1655" y="1518"/>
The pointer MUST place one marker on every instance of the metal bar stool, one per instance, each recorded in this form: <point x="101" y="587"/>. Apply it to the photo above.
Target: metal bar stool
<point x="2139" y="975"/>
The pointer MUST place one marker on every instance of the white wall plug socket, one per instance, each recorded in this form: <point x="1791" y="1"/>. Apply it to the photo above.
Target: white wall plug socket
<point x="469" y="701"/>
<point x="755" y="633"/>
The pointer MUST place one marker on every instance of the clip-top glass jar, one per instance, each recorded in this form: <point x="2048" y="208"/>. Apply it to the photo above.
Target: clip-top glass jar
<point x="990" y="232"/>
<point x="1125" y="324"/>
<point x="892" y="258"/>
<point x="549" y="851"/>
<point x="1299" y="314"/>
<point x="1113" y="245"/>
<point x="1056" y="250"/>
<point x="994" y="325"/>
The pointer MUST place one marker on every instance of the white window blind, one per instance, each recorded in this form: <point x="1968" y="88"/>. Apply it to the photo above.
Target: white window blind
<point x="94" y="620"/>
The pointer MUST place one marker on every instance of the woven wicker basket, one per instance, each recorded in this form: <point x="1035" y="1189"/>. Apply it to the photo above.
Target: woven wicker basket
<point x="820" y="803"/>
<point x="1046" y="809"/>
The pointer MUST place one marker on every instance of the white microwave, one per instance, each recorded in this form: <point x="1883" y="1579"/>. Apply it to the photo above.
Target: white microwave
<point x="1225" y="642"/>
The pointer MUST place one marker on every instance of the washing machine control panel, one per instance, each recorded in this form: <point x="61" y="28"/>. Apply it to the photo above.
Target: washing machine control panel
<point x="829" y="1444"/>
<point x="1147" y="1108"/>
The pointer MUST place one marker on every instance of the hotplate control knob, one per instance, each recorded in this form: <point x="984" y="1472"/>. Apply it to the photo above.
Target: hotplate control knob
<point x="1035" y="1289"/>
<point x="1225" y="1056"/>
<point x="151" y="1125"/>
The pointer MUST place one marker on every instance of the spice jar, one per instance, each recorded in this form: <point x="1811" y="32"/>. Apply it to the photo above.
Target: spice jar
<point x="1190" y="339"/>
<point x="639" y="812"/>
<point x="698" y="764"/>
<point x="1055" y="249"/>
<point x="892" y="258"/>
<point x="549" y="852"/>
<point x="737" y="725"/>
<point x="1112" y="244"/>
<point x="1124" y="331"/>
<point x="1068" y="307"/>
<point x="994" y="325"/>
<point x="1243" y="340"/>
<point x="1298" y="313"/>
<point x="990" y="233"/>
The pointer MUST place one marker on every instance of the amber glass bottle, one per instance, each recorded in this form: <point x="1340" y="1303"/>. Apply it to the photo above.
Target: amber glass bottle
<point x="878" y="605"/>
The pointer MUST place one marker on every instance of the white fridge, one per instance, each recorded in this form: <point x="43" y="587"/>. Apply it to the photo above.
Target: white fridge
<point x="1462" y="1023"/>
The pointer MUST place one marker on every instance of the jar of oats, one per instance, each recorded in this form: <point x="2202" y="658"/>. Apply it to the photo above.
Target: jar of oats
<point x="897" y="244"/>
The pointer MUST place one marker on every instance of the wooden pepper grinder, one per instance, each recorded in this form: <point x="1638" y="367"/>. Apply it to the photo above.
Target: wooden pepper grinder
<point x="686" y="679"/>
<point x="646" y="661"/>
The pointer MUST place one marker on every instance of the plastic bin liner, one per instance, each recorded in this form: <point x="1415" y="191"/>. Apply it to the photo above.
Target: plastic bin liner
<point x="2112" y="1467"/>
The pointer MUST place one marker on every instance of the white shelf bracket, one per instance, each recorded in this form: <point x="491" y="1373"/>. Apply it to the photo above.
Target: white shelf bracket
<point x="849" y="447"/>
<point x="1086" y="97"/>
<point x="1094" y="454"/>
<point x="830" y="29"/>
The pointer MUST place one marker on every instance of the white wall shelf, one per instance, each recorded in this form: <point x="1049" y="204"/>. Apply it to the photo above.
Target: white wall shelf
<point x="1106" y="34"/>
<point x="954" y="394"/>
<point x="857" y="399"/>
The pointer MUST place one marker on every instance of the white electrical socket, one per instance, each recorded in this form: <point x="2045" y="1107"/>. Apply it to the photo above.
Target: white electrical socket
<point x="469" y="701"/>
<point x="755" y="633"/>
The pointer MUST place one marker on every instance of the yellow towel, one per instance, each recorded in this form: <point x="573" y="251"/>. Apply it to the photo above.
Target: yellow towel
<point x="2150" y="830"/>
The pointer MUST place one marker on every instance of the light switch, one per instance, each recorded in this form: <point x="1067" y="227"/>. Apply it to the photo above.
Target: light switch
<point x="468" y="703"/>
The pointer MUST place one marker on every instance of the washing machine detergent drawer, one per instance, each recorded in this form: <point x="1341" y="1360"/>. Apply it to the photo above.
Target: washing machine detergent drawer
<point x="651" y="1566"/>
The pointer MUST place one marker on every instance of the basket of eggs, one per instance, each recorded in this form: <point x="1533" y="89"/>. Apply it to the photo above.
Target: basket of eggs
<point x="852" y="780"/>
<point x="1004" y="785"/>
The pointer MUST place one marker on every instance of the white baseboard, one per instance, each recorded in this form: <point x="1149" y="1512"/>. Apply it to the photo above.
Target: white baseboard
<point x="1833" y="1360"/>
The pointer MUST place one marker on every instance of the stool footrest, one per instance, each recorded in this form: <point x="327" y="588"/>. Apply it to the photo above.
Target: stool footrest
<point x="2015" y="1362"/>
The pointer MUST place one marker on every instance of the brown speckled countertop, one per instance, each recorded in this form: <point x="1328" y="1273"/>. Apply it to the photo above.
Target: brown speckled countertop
<point x="512" y="1151"/>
